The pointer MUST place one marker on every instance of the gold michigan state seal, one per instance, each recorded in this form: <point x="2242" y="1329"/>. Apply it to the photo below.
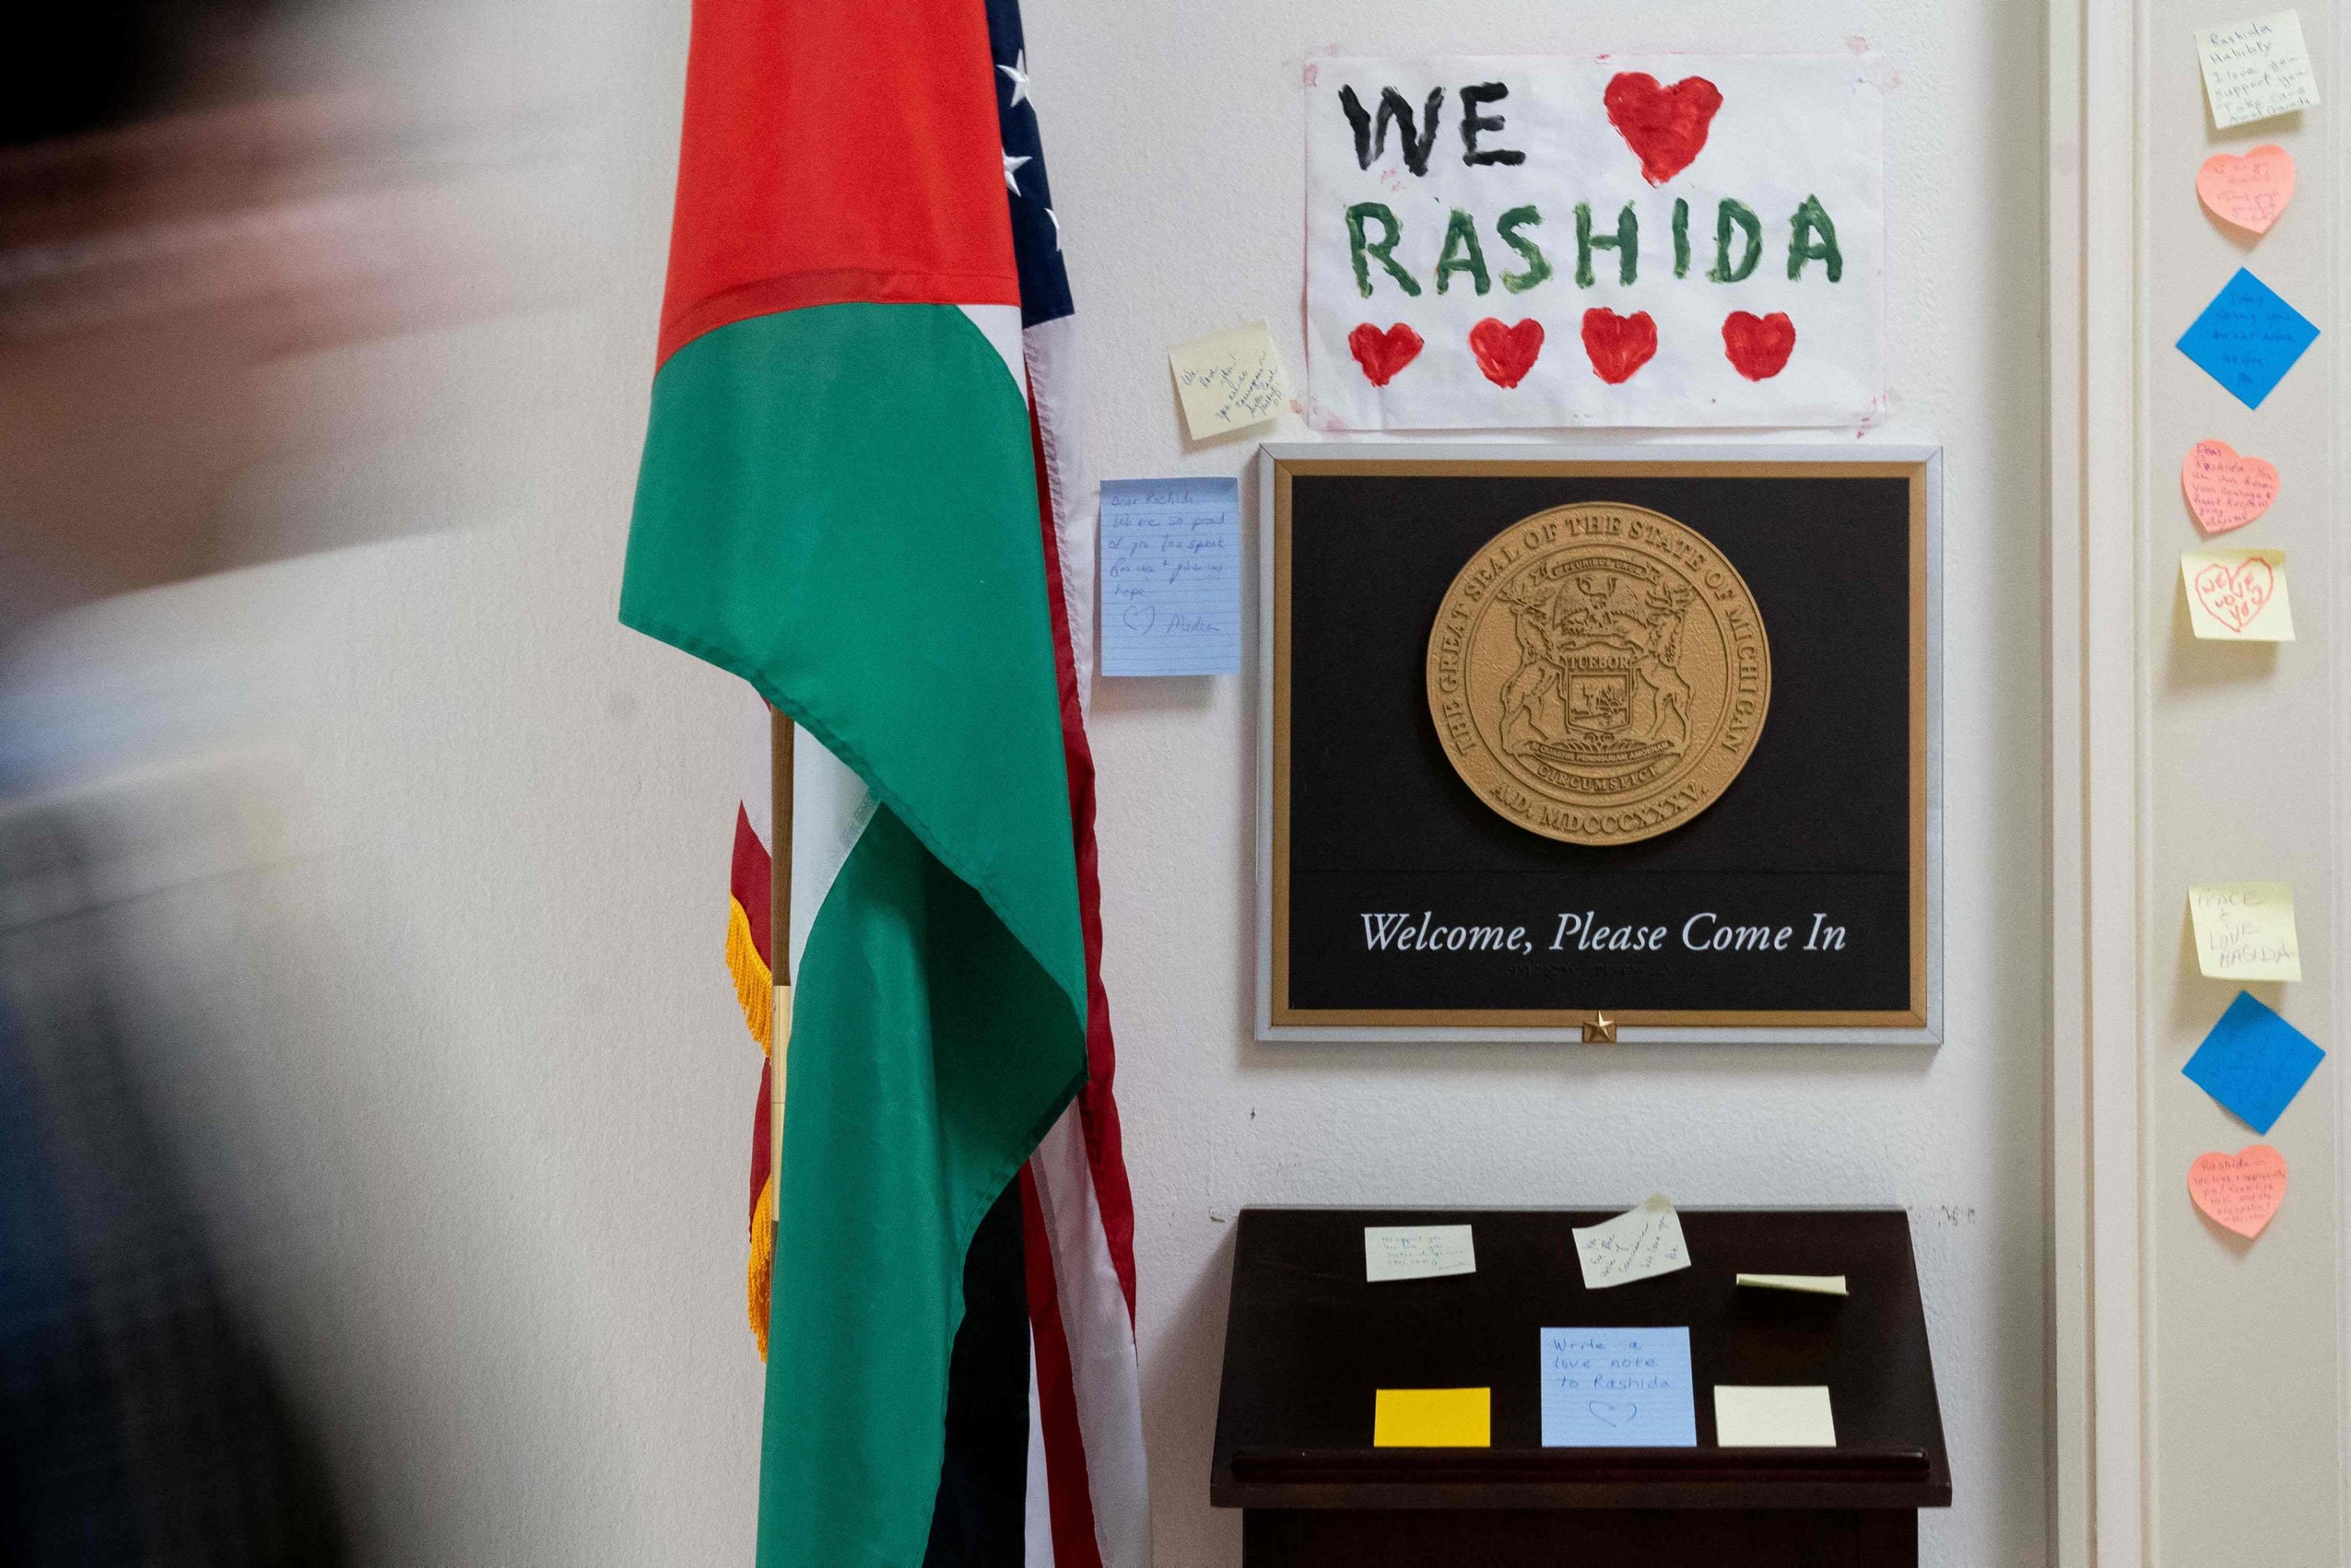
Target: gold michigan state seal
<point x="1599" y="673"/>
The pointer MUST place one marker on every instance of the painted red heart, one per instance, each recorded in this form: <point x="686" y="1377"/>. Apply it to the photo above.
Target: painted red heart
<point x="1383" y="354"/>
<point x="1618" y="345"/>
<point x="1665" y="126"/>
<point x="1506" y="353"/>
<point x="1758" y="346"/>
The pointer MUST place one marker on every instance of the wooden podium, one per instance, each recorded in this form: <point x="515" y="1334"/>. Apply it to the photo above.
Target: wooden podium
<point x="1307" y="1342"/>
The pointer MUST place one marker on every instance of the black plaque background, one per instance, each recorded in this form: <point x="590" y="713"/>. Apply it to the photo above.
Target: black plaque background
<point x="1817" y="820"/>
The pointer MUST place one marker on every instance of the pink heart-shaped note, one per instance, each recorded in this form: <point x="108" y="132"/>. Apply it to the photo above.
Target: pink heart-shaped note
<point x="2249" y="192"/>
<point x="2239" y="1190"/>
<point x="2226" y="491"/>
<point x="2234" y="598"/>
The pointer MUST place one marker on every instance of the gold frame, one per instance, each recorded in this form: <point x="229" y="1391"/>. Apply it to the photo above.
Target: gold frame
<point x="1916" y="470"/>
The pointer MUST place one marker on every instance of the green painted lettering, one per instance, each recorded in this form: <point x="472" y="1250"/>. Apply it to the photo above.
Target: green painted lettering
<point x="1681" y="238"/>
<point x="1359" y="247"/>
<point x="1538" y="264"/>
<point x="1626" y="245"/>
<point x="1813" y="238"/>
<point x="1726" y="213"/>
<point x="1462" y="253"/>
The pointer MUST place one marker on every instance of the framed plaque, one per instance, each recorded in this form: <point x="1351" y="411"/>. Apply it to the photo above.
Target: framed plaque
<point x="1572" y="743"/>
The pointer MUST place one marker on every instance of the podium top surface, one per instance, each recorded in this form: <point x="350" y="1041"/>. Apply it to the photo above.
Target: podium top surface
<point x="1307" y="1341"/>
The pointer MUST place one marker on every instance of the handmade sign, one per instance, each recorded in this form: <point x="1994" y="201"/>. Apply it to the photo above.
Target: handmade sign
<point x="2239" y="1190"/>
<point x="2225" y="490"/>
<point x="2237" y="595"/>
<point x="2250" y="191"/>
<point x="1662" y="240"/>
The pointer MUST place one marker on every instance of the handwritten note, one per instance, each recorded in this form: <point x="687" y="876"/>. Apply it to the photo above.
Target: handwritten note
<point x="2249" y="190"/>
<point x="2245" y="930"/>
<point x="1808" y="1284"/>
<point x="1635" y="1245"/>
<point x="1171" y="577"/>
<point x="1432" y="1418"/>
<point x="2255" y="69"/>
<point x="1418" y="1251"/>
<point x="2253" y="1062"/>
<point x="2248" y="338"/>
<point x="1794" y="1416"/>
<point x="2225" y="490"/>
<point x="1229" y="382"/>
<point x="1617" y="1388"/>
<point x="2241" y="1190"/>
<point x="2238" y="595"/>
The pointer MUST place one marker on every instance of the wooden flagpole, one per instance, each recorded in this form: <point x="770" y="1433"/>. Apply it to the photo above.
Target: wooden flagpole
<point x="779" y="933"/>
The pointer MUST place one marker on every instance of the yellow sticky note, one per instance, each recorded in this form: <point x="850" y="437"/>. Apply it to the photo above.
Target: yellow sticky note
<point x="1229" y="382"/>
<point x="1433" y="1418"/>
<point x="2245" y="930"/>
<point x="1810" y="1284"/>
<point x="1773" y="1417"/>
<point x="2238" y="595"/>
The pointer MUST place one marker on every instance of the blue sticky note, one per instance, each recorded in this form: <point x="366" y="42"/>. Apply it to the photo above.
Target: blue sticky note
<point x="1617" y="1388"/>
<point x="1171" y="577"/>
<point x="2248" y="338"/>
<point x="2253" y="1062"/>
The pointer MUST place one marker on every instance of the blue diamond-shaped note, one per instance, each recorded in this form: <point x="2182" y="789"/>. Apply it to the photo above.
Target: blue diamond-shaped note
<point x="2253" y="1062"/>
<point x="2248" y="338"/>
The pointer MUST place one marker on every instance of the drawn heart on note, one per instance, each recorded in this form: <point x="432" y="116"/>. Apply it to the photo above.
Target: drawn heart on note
<point x="1664" y="126"/>
<point x="2225" y="491"/>
<point x="1609" y="1414"/>
<point x="2235" y="598"/>
<point x="2241" y="1190"/>
<point x="1618" y="345"/>
<point x="1506" y="353"/>
<point x="2249" y="192"/>
<point x="1759" y="346"/>
<point x="1383" y="354"/>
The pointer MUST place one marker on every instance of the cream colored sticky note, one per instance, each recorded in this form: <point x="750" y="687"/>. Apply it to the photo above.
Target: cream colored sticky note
<point x="1433" y="1418"/>
<point x="2255" y="69"/>
<point x="2245" y="930"/>
<point x="1418" y="1251"/>
<point x="1229" y="382"/>
<point x="1810" y="1284"/>
<point x="1795" y="1416"/>
<point x="1637" y="1244"/>
<point x="2238" y="595"/>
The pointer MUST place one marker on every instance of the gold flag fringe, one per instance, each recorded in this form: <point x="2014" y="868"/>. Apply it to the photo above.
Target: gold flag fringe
<point x="754" y="986"/>
<point x="759" y="1281"/>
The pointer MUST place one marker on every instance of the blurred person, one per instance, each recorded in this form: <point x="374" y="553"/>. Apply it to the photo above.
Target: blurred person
<point x="172" y="224"/>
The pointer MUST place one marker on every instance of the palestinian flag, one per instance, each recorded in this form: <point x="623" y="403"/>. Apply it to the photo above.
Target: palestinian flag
<point x="856" y="494"/>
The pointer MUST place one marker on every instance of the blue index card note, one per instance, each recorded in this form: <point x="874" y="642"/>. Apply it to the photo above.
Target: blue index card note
<point x="2253" y="1062"/>
<point x="1617" y="1388"/>
<point x="1171" y="577"/>
<point x="2248" y="338"/>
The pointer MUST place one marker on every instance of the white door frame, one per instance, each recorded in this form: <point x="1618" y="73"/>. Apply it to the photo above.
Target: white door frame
<point x="2098" y="1475"/>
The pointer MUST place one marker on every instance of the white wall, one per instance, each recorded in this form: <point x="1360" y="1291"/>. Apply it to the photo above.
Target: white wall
<point x="516" y="1255"/>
